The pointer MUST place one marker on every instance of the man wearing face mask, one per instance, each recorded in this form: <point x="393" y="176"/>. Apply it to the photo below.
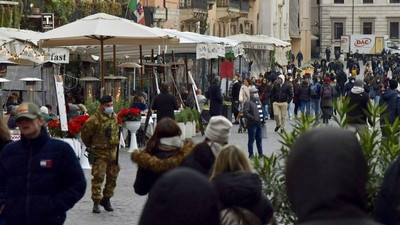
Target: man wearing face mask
<point x="253" y="111"/>
<point x="100" y="135"/>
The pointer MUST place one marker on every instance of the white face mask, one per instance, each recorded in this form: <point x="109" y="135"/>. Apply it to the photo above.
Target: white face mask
<point x="256" y="96"/>
<point x="108" y="110"/>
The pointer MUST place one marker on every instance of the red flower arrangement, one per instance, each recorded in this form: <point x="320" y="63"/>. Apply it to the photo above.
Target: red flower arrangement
<point x="74" y="126"/>
<point x="132" y="114"/>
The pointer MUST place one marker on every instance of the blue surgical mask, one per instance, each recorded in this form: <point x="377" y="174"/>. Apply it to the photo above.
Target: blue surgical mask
<point x="256" y="96"/>
<point x="108" y="110"/>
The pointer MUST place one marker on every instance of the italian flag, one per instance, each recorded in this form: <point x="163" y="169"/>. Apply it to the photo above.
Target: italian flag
<point x="137" y="8"/>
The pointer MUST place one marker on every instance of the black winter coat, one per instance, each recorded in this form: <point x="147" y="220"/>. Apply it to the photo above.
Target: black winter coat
<point x="392" y="100"/>
<point x="165" y="104"/>
<point x="358" y="114"/>
<point x="215" y="96"/>
<point x="281" y="93"/>
<point x="304" y="92"/>
<point x="181" y="197"/>
<point x="243" y="190"/>
<point x="326" y="185"/>
<point x="43" y="179"/>
<point x="236" y="90"/>
<point x="201" y="159"/>
<point x="386" y="209"/>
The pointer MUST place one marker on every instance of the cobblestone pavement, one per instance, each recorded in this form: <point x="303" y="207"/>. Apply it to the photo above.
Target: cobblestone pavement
<point x="128" y="205"/>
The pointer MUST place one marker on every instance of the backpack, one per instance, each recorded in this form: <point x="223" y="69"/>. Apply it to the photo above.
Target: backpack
<point x="327" y="92"/>
<point x="313" y="89"/>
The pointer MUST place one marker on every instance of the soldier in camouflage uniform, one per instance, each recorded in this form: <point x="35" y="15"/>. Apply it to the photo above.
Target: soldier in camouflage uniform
<point x="100" y="135"/>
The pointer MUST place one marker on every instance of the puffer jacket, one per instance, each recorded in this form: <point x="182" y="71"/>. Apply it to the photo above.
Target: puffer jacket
<point x="304" y="92"/>
<point x="242" y="190"/>
<point x="390" y="98"/>
<point x="94" y="134"/>
<point x="281" y="93"/>
<point x="42" y="178"/>
<point x="152" y="166"/>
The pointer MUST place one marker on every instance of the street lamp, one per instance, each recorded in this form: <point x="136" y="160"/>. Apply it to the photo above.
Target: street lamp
<point x="30" y="83"/>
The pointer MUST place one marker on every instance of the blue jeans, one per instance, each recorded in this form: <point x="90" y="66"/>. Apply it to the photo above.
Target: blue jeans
<point x="376" y="100"/>
<point x="289" y="109"/>
<point x="305" y="105"/>
<point x="266" y="114"/>
<point x="254" y="132"/>
<point x="315" y="106"/>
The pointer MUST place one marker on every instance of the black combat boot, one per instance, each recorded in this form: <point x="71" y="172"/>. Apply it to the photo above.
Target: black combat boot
<point x="96" y="207"/>
<point x="105" y="202"/>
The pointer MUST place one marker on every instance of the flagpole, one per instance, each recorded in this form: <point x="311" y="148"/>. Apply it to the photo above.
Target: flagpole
<point x="127" y="8"/>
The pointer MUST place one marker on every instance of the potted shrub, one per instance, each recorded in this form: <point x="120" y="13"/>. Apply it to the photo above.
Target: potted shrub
<point x="179" y="118"/>
<point x="131" y="119"/>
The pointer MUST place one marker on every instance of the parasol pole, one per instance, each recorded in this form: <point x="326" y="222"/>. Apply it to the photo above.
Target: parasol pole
<point x="165" y="68"/>
<point x="187" y="71"/>
<point x="134" y="78"/>
<point x="115" y="60"/>
<point x="141" y="69"/>
<point x="102" y="64"/>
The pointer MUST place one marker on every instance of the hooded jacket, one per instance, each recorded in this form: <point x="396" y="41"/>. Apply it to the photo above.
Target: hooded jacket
<point x="181" y="196"/>
<point x="243" y="190"/>
<point x="42" y="179"/>
<point x="392" y="100"/>
<point x="386" y="208"/>
<point x="200" y="158"/>
<point x="326" y="174"/>
<point x="360" y="100"/>
<point x="152" y="166"/>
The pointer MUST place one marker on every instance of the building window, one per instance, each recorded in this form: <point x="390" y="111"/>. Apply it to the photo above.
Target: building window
<point x="338" y="30"/>
<point x="394" y="30"/>
<point x="338" y="1"/>
<point x="394" y="1"/>
<point x="181" y="3"/>
<point x="367" y="28"/>
<point x="222" y="3"/>
<point x="368" y="1"/>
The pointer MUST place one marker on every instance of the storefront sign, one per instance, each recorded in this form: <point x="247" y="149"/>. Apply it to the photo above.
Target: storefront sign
<point x="58" y="55"/>
<point x="47" y="21"/>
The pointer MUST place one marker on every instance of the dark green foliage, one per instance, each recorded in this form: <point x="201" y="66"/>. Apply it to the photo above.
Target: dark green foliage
<point x="379" y="153"/>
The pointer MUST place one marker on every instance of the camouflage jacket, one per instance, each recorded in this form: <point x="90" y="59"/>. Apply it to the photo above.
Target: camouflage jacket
<point x="94" y="133"/>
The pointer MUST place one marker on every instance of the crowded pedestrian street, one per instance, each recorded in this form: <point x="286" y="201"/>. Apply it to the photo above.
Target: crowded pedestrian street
<point x="127" y="204"/>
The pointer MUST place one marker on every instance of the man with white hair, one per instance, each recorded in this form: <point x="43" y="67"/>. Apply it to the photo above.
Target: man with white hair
<point x="281" y="95"/>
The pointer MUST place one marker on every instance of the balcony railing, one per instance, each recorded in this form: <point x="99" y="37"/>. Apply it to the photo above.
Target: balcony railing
<point x="194" y="4"/>
<point x="235" y="4"/>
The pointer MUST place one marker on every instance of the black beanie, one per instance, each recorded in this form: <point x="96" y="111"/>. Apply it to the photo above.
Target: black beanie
<point x="105" y="99"/>
<point x="393" y="84"/>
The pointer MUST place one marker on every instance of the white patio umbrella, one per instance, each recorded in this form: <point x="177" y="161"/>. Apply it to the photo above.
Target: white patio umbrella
<point x="103" y="29"/>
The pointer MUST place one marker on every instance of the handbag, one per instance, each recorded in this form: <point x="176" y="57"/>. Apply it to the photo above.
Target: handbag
<point x="264" y="132"/>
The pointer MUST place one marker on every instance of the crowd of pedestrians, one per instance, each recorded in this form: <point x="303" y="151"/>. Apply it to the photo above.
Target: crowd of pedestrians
<point x="212" y="182"/>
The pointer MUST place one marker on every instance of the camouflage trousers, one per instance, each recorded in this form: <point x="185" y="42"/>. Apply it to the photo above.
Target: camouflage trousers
<point x="104" y="168"/>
